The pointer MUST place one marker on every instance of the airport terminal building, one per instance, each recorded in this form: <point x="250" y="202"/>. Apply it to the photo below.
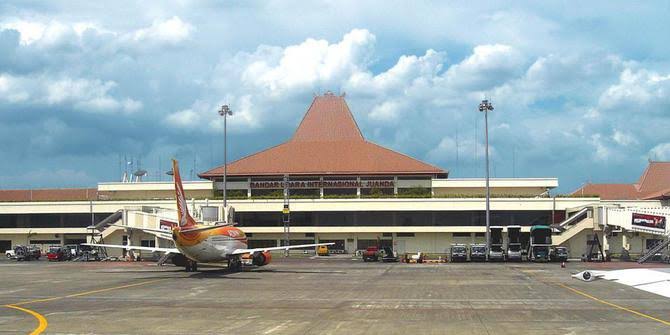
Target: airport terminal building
<point x="344" y="189"/>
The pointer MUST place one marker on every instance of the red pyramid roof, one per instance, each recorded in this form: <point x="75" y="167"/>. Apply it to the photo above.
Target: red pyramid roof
<point x="327" y="141"/>
<point x="653" y="184"/>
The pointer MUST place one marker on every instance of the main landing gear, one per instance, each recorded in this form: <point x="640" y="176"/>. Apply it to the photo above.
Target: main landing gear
<point x="234" y="264"/>
<point x="191" y="266"/>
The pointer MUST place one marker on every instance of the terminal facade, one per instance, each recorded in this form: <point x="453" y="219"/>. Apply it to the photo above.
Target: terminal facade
<point x="344" y="189"/>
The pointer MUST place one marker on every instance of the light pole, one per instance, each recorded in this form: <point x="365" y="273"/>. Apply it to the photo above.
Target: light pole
<point x="225" y="112"/>
<point x="485" y="106"/>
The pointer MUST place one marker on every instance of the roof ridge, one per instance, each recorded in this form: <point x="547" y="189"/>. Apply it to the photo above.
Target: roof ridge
<point x="211" y="171"/>
<point x="407" y="156"/>
<point x="351" y="114"/>
<point x="329" y="119"/>
<point x="304" y="116"/>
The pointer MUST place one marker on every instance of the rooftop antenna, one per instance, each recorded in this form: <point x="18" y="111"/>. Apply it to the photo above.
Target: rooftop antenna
<point x="126" y="175"/>
<point x="139" y="173"/>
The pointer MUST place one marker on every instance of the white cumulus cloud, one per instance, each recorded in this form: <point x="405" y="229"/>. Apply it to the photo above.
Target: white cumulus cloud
<point x="172" y="30"/>
<point x="660" y="152"/>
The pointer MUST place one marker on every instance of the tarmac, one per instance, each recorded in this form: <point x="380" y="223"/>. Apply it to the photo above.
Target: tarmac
<point x="334" y="295"/>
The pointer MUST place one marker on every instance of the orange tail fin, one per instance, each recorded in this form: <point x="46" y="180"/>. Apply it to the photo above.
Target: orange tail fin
<point x="185" y="220"/>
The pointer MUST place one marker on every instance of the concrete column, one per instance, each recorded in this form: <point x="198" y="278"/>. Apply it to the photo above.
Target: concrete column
<point x="606" y="244"/>
<point x="624" y="241"/>
<point x="249" y="187"/>
<point x="395" y="185"/>
<point x="321" y="188"/>
<point x="358" y="189"/>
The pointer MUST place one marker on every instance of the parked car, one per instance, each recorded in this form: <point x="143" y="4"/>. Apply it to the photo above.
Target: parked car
<point x="558" y="254"/>
<point x="458" y="253"/>
<point x="58" y="254"/>
<point x="371" y="254"/>
<point x="389" y="255"/>
<point x="10" y="254"/>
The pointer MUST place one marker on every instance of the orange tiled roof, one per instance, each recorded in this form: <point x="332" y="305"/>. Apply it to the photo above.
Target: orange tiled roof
<point x="653" y="184"/>
<point x="61" y="194"/>
<point x="327" y="141"/>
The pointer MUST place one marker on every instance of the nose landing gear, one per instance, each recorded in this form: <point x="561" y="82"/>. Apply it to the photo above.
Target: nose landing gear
<point x="191" y="266"/>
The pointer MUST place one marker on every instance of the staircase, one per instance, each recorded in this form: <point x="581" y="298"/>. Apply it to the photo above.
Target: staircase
<point x="580" y="215"/>
<point x="571" y="231"/>
<point x="658" y="247"/>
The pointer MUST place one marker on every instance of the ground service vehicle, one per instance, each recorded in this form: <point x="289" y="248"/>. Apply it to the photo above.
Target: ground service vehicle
<point x="371" y="254"/>
<point x="322" y="250"/>
<point x="57" y="254"/>
<point x="540" y="243"/>
<point x="514" y="243"/>
<point x="458" y="253"/>
<point x="389" y="255"/>
<point x="478" y="252"/>
<point x="27" y="253"/>
<point x="496" y="253"/>
<point x="558" y="254"/>
<point x="10" y="254"/>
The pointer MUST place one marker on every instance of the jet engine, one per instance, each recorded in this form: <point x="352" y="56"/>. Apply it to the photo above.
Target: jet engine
<point x="588" y="275"/>
<point x="179" y="260"/>
<point x="261" y="258"/>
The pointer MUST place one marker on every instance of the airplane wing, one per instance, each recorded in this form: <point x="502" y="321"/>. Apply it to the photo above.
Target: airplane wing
<point x="133" y="247"/>
<point x="656" y="280"/>
<point x="298" y="246"/>
<point x="164" y="234"/>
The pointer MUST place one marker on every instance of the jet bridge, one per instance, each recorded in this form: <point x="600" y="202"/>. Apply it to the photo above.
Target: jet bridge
<point x="651" y="221"/>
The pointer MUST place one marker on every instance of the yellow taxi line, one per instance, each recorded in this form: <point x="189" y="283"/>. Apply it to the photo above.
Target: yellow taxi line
<point x="40" y="318"/>
<point x="584" y="294"/>
<point x="43" y="321"/>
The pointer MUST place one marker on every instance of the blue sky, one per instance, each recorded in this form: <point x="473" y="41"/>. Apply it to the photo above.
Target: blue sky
<point x="581" y="90"/>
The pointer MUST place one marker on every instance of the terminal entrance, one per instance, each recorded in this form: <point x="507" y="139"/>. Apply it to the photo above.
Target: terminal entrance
<point x="5" y="245"/>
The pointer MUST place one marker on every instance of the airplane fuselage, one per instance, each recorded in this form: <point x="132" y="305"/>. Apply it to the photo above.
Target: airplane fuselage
<point x="213" y="245"/>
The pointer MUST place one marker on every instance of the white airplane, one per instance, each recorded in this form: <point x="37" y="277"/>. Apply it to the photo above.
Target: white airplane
<point x="204" y="243"/>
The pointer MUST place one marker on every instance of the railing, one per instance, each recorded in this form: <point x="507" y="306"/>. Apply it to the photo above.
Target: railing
<point x="649" y="254"/>
<point x="581" y="214"/>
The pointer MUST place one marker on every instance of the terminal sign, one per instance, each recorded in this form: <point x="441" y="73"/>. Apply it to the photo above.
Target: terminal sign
<point x="297" y="184"/>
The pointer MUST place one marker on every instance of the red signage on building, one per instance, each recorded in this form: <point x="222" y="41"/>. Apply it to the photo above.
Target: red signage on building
<point x="649" y="221"/>
<point x="297" y="184"/>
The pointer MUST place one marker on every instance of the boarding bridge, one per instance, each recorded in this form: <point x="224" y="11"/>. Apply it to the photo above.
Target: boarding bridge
<point x="576" y="223"/>
<point x="153" y="218"/>
<point x="625" y="218"/>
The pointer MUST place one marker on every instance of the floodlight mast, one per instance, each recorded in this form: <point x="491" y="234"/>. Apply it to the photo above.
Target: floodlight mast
<point x="225" y="112"/>
<point x="485" y="106"/>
